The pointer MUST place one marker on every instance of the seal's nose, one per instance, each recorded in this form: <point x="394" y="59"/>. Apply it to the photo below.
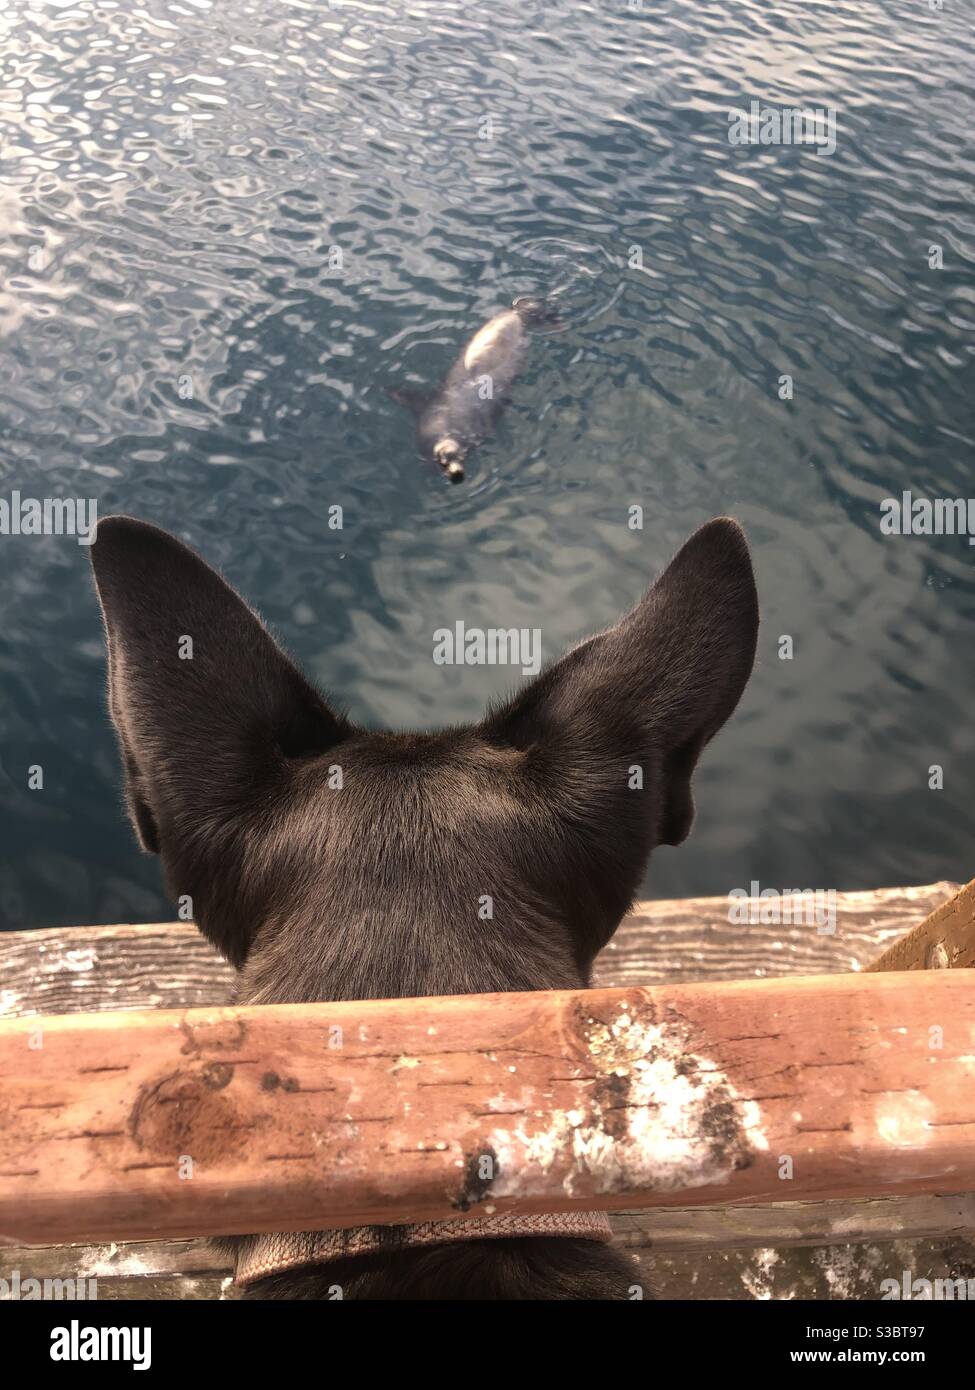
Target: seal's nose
<point x="455" y="472"/>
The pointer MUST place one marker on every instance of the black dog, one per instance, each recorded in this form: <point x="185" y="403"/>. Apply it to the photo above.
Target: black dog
<point x="372" y="892"/>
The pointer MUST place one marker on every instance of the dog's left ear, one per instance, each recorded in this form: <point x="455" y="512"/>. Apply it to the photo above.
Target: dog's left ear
<point x="613" y="731"/>
<point x="210" y="713"/>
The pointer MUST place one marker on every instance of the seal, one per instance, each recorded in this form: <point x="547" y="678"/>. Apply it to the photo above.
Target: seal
<point x="462" y="412"/>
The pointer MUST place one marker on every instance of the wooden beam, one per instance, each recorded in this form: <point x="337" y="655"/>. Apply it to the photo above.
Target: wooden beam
<point x="686" y="940"/>
<point x="658" y="1230"/>
<point x="789" y="1225"/>
<point x="176" y="1123"/>
<point x="945" y="940"/>
<point x="675" y="1265"/>
<point x="167" y="965"/>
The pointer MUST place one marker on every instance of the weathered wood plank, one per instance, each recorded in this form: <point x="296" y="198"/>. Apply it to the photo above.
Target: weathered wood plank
<point x="826" y="1272"/>
<point x="692" y="939"/>
<point x="169" y="965"/>
<point x="784" y="1225"/>
<point x="672" y="1231"/>
<point x="195" y="1270"/>
<point x="945" y="940"/>
<point x="688" y="1094"/>
<point x="759" y="1247"/>
<point x="64" y="970"/>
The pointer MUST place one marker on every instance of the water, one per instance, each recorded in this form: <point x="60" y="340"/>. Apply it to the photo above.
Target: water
<point x="174" y="178"/>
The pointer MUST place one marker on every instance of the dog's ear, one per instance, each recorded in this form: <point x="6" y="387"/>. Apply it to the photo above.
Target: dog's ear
<point x="210" y="713"/>
<point x="616" y="727"/>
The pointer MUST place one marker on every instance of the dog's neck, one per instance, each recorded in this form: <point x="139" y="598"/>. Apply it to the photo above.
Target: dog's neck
<point x="260" y="1256"/>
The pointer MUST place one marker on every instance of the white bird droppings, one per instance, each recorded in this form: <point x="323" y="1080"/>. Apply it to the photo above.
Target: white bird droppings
<point x="659" y="1117"/>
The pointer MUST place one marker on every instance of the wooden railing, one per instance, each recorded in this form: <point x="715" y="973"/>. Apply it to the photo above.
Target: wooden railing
<point x="840" y="1104"/>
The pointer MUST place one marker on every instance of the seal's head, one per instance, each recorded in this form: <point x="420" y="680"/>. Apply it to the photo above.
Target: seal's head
<point x="537" y="313"/>
<point x="450" y="455"/>
<point x="529" y="307"/>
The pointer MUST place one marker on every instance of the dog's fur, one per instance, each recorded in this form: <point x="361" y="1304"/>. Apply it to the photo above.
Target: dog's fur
<point x="372" y="891"/>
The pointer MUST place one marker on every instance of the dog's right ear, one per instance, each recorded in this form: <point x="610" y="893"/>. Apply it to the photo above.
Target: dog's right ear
<point x="613" y="731"/>
<point x="209" y="711"/>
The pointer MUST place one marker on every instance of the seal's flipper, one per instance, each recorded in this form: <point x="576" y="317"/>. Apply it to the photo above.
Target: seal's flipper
<point x="409" y="397"/>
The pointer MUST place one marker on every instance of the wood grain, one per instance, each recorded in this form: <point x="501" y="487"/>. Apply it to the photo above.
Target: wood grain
<point x="692" y="939"/>
<point x="169" y="965"/>
<point x="945" y="940"/>
<point x="821" y="1249"/>
<point x="662" y="1230"/>
<point x="196" y="1270"/>
<point x="609" y="1098"/>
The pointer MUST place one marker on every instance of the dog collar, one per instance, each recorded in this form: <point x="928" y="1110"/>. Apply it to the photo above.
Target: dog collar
<point x="281" y="1252"/>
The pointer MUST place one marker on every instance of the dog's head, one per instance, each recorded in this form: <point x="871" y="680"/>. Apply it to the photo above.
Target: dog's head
<point x="328" y="862"/>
